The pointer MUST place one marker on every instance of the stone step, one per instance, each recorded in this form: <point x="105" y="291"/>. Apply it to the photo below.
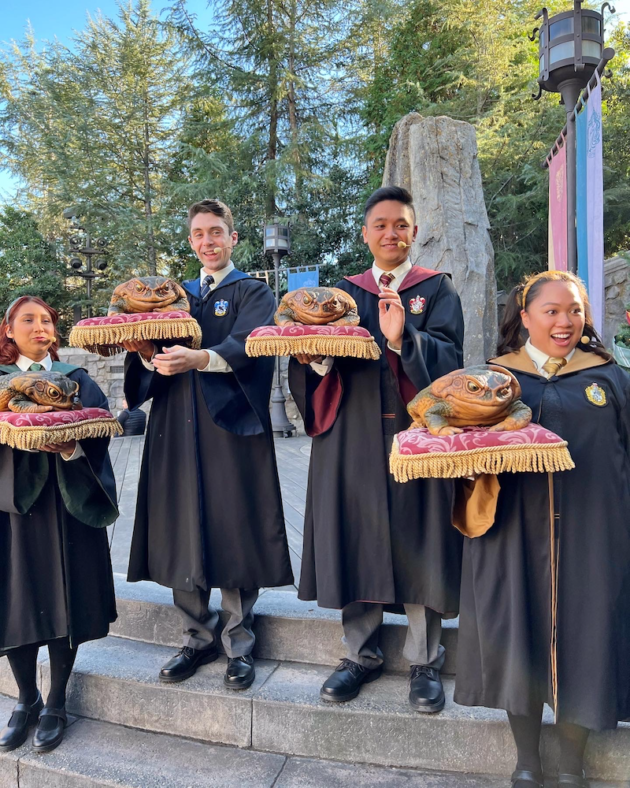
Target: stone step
<point x="115" y="681"/>
<point x="286" y="628"/>
<point x="101" y="754"/>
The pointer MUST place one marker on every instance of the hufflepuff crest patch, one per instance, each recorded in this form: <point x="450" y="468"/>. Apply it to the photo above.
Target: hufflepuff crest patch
<point x="596" y="395"/>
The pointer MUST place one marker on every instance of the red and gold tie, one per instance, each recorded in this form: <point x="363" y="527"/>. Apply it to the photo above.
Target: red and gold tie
<point x="385" y="280"/>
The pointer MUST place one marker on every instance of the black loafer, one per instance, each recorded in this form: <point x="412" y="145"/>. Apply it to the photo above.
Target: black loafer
<point x="240" y="673"/>
<point x="522" y="775"/>
<point x="344" y="684"/>
<point x="185" y="663"/>
<point x="23" y="718"/>
<point x="577" y="781"/>
<point x="45" y="741"/>
<point x="426" y="692"/>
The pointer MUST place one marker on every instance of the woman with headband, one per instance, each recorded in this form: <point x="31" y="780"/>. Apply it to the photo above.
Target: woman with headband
<point x="56" y="584"/>
<point x="545" y="598"/>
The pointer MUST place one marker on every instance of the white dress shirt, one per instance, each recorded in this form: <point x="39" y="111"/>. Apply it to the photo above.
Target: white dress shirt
<point x="323" y="367"/>
<point x="216" y="363"/>
<point x="24" y="363"/>
<point x="539" y="358"/>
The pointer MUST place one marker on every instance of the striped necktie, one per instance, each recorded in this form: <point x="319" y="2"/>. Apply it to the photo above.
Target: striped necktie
<point x="205" y="287"/>
<point x="385" y="280"/>
<point x="35" y="367"/>
<point x="553" y="365"/>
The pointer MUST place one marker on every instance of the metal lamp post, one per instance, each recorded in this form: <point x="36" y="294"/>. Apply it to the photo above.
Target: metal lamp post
<point x="89" y="248"/>
<point x="570" y="51"/>
<point x="277" y="244"/>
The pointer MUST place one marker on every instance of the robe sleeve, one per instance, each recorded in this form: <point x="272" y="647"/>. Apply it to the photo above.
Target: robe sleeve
<point x="141" y="383"/>
<point x="23" y="475"/>
<point x="238" y="401"/>
<point x="437" y="349"/>
<point x="317" y="397"/>
<point x="87" y="485"/>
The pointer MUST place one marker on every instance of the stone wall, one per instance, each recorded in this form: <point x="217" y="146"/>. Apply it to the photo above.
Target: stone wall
<point x="617" y="274"/>
<point x="436" y="160"/>
<point x="107" y="372"/>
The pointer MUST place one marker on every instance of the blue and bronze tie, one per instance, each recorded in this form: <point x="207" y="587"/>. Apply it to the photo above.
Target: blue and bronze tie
<point x="205" y="287"/>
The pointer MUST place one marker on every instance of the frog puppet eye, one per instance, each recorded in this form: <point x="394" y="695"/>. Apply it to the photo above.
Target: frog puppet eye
<point x="307" y="299"/>
<point x="53" y="393"/>
<point x="139" y="287"/>
<point x="473" y="387"/>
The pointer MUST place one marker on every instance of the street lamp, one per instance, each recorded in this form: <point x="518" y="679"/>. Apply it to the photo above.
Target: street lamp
<point x="277" y="244"/>
<point x="570" y="50"/>
<point x="82" y="244"/>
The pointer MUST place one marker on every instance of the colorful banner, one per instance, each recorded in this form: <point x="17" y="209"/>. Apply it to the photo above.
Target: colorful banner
<point x="581" y="212"/>
<point x="305" y="278"/>
<point x="558" y="210"/>
<point x="595" y="205"/>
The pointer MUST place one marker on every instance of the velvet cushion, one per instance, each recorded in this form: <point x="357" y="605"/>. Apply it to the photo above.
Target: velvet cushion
<point x="312" y="340"/>
<point x="103" y="335"/>
<point x="417" y="453"/>
<point x="33" y="430"/>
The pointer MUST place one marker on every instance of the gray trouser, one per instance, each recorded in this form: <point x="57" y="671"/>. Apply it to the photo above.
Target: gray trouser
<point x="200" y="621"/>
<point x="361" y="622"/>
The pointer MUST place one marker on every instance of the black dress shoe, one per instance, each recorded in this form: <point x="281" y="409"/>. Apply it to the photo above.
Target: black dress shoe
<point x="45" y="741"/>
<point x="185" y="663"/>
<point x="577" y="781"/>
<point x="240" y="673"/>
<point x="425" y="689"/>
<point x="523" y="776"/>
<point x="345" y="683"/>
<point x="23" y="717"/>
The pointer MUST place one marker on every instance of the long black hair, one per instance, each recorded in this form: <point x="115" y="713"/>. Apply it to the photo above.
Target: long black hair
<point x="512" y="334"/>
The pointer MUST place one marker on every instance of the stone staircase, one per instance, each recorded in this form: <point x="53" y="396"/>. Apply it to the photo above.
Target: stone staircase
<point x="134" y="731"/>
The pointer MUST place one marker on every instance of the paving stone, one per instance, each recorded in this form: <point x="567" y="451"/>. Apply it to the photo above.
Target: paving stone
<point x="306" y="773"/>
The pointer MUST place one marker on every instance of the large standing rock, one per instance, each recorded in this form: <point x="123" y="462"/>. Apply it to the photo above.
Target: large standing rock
<point x="436" y="160"/>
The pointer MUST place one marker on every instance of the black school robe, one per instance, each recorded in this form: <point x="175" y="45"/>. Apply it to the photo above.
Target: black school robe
<point x="55" y="569"/>
<point x="505" y="645"/>
<point x="366" y="537"/>
<point x="209" y="512"/>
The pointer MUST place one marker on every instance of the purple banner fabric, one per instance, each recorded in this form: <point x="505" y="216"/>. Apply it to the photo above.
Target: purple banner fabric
<point x="558" y="210"/>
<point x="595" y="205"/>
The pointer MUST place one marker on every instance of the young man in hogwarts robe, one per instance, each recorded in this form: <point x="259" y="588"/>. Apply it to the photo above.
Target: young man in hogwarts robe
<point x="209" y="512"/>
<point x="370" y="542"/>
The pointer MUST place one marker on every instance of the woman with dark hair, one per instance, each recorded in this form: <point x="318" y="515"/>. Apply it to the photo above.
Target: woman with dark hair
<point x="545" y="599"/>
<point x="56" y="584"/>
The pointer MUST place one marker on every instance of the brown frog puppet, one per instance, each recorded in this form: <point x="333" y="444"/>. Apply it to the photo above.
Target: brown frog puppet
<point x="486" y="395"/>
<point x="38" y="392"/>
<point x="148" y="294"/>
<point x="317" y="306"/>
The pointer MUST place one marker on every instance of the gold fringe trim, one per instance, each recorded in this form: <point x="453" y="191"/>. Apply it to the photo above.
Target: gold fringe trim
<point x="522" y="458"/>
<point x="105" y="340"/>
<point x="322" y="345"/>
<point x="25" y="438"/>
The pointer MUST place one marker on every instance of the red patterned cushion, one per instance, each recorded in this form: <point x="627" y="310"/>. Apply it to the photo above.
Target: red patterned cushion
<point x="34" y="430"/>
<point x="420" y="441"/>
<point x="310" y="331"/>
<point x="55" y="418"/>
<point x="418" y="454"/>
<point x="137" y="317"/>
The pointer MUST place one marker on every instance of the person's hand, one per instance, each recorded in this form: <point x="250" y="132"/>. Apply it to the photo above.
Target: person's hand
<point x="68" y="448"/>
<point x="177" y="359"/>
<point x="304" y="358"/>
<point x="143" y="346"/>
<point x="391" y="316"/>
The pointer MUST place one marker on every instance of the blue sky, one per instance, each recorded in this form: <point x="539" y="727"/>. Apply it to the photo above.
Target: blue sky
<point x="61" y="20"/>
